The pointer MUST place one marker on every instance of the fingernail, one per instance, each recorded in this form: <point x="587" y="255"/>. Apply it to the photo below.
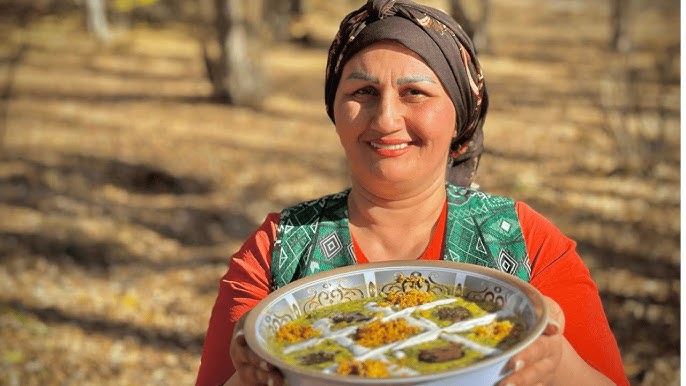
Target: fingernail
<point x="270" y="381"/>
<point x="264" y="366"/>
<point x="552" y="328"/>
<point x="519" y="364"/>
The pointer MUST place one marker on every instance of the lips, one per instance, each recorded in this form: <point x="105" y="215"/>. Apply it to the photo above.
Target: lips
<point x="390" y="148"/>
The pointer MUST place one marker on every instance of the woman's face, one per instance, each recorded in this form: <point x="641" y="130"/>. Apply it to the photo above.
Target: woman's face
<point x="393" y="117"/>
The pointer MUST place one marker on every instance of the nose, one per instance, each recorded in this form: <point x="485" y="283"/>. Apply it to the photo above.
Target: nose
<point x="389" y="114"/>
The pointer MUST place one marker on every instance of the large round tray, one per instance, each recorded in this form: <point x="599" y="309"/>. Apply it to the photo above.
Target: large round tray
<point x="367" y="280"/>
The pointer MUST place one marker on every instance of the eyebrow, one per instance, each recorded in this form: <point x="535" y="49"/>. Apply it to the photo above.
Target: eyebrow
<point x="414" y="79"/>
<point x="363" y="76"/>
<point x="404" y="80"/>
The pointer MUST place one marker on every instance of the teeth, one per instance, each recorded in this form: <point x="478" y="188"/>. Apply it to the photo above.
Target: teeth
<point x="389" y="147"/>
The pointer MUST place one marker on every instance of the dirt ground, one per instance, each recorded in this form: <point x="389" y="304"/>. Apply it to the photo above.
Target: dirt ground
<point x="124" y="188"/>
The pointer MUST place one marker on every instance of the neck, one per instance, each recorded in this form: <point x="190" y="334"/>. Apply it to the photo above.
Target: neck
<point x="398" y="227"/>
<point x="367" y="206"/>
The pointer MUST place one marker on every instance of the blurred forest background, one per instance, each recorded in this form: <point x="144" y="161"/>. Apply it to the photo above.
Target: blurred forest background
<point x="137" y="154"/>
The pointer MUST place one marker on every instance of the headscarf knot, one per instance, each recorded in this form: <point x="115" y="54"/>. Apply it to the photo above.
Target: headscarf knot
<point x="381" y="8"/>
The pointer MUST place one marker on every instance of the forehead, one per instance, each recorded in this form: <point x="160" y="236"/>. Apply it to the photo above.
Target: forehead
<point x="386" y="55"/>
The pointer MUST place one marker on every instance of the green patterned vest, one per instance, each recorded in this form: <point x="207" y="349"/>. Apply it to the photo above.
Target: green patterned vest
<point x="481" y="229"/>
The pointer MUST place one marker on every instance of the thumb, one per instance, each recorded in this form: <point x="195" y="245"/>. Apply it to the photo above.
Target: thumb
<point x="556" y="318"/>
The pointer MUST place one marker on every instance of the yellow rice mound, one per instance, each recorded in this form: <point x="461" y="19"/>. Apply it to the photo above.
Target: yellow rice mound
<point x="370" y="368"/>
<point x="376" y="332"/>
<point x="292" y="333"/>
<point x="410" y="298"/>
<point x="496" y="330"/>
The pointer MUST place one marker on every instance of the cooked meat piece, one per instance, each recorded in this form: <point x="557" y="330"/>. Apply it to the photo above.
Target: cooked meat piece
<point x="316" y="358"/>
<point x="350" y="317"/>
<point x="442" y="354"/>
<point x="454" y="314"/>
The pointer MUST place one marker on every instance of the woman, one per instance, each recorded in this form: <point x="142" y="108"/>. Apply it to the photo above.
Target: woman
<point x="406" y="94"/>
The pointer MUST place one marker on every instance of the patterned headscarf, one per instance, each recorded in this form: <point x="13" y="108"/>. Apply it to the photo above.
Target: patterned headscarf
<point x="445" y="47"/>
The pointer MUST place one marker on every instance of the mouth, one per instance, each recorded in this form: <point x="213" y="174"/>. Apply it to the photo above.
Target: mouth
<point x="389" y="146"/>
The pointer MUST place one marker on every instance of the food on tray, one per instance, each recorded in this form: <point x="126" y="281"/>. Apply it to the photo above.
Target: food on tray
<point x="370" y="368"/>
<point x="292" y="333"/>
<point x="376" y="332"/>
<point x="412" y="327"/>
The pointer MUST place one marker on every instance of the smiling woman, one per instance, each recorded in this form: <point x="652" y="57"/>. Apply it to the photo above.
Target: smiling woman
<point x="406" y="93"/>
<point x="395" y="126"/>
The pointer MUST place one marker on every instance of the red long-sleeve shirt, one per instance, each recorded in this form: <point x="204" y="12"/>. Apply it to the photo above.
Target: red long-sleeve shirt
<point x="556" y="270"/>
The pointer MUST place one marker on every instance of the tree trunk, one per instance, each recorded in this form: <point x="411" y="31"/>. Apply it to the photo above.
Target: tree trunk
<point x="619" y="20"/>
<point x="96" y="19"/>
<point x="285" y="20"/>
<point x="238" y="77"/>
<point x="458" y="13"/>
<point x="476" y="25"/>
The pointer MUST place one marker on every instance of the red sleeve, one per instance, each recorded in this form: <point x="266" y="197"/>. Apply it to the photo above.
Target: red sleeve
<point x="244" y="284"/>
<point x="559" y="273"/>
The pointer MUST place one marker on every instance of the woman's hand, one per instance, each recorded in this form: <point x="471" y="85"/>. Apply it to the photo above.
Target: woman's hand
<point x="250" y="368"/>
<point x="539" y="363"/>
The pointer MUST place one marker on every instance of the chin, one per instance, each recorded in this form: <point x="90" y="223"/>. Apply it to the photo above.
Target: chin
<point x="393" y="178"/>
<point x="394" y="183"/>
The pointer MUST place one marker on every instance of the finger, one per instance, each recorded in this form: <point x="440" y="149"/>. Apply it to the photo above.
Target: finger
<point x="540" y="349"/>
<point x="239" y="338"/>
<point x="264" y="371"/>
<point x="246" y="374"/>
<point x="259" y="375"/>
<point x="247" y="354"/>
<point x="251" y="375"/>
<point x="256" y="361"/>
<point x="552" y="327"/>
<point x="249" y="365"/>
<point x="540" y="372"/>
<point x="251" y="368"/>
<point x="537" y="362"/>
<point x="556" y="318"/>
<point x="277" y="380"/>
<point x="239" y="349"/>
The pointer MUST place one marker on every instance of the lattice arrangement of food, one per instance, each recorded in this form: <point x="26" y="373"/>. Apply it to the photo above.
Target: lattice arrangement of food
<point x="393" y="323"/>
<point x="407" y="331"/>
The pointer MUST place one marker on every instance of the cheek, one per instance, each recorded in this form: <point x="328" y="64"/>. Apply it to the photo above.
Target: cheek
<point x="346" y="111"/>
<point x="345" y="130"/>
<point x="437" y="122"/>
<point x="348" y="120"/>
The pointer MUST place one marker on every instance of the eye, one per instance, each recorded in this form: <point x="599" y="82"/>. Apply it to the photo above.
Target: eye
<point x="415" y="93"/>
<point x="364" y="91"/>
